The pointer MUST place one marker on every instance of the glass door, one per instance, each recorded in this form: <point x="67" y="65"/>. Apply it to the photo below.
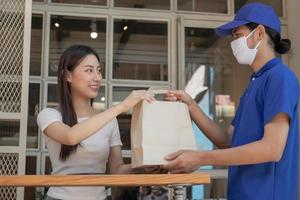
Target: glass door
<point x="210" y="74"/>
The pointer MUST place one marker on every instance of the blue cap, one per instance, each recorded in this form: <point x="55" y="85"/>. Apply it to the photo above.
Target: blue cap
<point x="252" y="12"/>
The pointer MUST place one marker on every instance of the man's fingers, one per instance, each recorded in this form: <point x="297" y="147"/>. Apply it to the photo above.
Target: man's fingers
<point x="171" y="98"/>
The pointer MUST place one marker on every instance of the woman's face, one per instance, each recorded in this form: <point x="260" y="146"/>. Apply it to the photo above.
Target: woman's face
<point x="86" y="78"/>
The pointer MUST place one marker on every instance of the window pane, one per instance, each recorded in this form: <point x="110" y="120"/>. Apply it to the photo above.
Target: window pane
<point x="33" y="110"/>
<point x="154" y="4"/>
<point x="66" y="31"/>
<point x="209" y="60"/>
<point x="140" y="50"/>
<point x="31" y="162"/>
<point x="276" y="4"/>
<point x="100" y="101"/>
<point x="124" y="120"/>
<point x="31" y="165"/>
<point x="52" y="96"/>
<point x="48" y="166"/>
<point x="36" y="44"/>
<point x="86" y="2"/>
<point x="10" y="132"/>
<point x="215" y="6"/>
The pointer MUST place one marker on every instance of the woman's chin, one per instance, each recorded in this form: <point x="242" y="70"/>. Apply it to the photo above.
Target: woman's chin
<point x="92" y="95"/>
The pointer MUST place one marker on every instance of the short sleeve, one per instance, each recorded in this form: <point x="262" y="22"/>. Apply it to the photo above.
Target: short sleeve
<point x="280" y="95"/>
<point x="115" y="139"/>
<point x="47" y="117"/>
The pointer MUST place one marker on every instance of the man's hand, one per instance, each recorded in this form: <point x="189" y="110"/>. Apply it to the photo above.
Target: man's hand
<point x="179" y="95"/>
<point x="183" y="161"/>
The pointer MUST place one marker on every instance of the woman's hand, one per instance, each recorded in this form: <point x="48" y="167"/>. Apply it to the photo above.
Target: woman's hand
<point x="155" y="170"/>
<point x="179" y="95"/>
<point x="150" y="170"/>
<point x="135" y="97"/>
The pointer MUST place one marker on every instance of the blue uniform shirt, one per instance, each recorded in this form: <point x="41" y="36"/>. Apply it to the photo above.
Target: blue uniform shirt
<point x="273" y="89"/>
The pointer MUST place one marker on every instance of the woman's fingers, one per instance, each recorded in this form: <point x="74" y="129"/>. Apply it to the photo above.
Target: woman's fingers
<point x="145" y="95"/>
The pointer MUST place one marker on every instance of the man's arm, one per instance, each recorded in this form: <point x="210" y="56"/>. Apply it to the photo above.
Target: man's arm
<point x="269" y="149"/>
<point x="211" y="129"/>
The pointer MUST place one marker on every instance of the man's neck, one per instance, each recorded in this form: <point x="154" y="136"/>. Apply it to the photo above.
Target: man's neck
<point x="261" y="59"/>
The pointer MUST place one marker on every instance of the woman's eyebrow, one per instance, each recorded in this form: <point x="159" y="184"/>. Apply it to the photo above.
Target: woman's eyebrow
<point x="89" y="66"/>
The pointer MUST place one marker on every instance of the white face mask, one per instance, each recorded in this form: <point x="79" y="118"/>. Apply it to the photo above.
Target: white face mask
<point x="242" y="52"/>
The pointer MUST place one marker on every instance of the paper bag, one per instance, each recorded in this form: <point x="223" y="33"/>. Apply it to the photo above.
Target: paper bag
<point x="158" y="129"/>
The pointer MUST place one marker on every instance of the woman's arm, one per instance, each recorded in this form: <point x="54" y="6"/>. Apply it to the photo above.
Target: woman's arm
<point x="67" y="135"/>
<point x="116" y="163"/>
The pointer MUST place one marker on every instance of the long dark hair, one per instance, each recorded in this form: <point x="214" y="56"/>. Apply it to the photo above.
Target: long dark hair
<point x="69" y="60"/>
<point x="280" y="45"/>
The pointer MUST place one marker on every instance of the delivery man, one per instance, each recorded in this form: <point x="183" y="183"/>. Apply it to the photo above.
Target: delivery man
<point x="262" y="143"/>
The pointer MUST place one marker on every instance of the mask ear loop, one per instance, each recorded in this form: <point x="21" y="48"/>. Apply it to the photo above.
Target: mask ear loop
<point x="257" y="45"/>
<point x="250" y="35"/>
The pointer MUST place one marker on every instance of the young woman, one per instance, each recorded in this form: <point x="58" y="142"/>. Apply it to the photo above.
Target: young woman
<point x="79" y="138"/>
<point x="261" y="147"/>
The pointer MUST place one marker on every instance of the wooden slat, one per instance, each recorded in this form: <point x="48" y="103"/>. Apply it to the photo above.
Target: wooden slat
<point x="106" y="180"/>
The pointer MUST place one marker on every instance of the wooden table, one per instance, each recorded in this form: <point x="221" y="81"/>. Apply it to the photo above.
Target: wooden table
<point x="175" y="181"/>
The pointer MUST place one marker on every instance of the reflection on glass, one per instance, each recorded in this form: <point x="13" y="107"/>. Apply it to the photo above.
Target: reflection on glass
<point x="31" y="162"/>
<point x="83" y="2"/>
<point x="127" y="160"/>
<point x="66" y="31"/>
<point x="124" y="120"/>
<point x="36" y="44"/>
<point x="140" y="50"/>
<point x="211" y="56"/>
<point x="48" y="166"/>
<point x="214" y="6"/>
<point x="30" y="165"/>
<point x="99" y="101"/>
<point x="52" y="96"/>
<point x="33" y="110"/>
<point x="10" y="132"/>
<point x="276" y="4"/>
<point x="154" y="4"/>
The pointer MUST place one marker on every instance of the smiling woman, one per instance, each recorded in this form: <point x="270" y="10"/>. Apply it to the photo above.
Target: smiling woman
<point x="80" y="139"/>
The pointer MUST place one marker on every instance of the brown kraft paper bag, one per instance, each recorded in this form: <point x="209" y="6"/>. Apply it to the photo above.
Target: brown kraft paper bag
<point x="158" y="129"/>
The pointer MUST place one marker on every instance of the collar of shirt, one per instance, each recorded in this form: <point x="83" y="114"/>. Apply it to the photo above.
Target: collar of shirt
<point x="270" y="64"/>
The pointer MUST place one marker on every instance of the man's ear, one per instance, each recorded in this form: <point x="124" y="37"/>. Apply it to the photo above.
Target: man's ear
<point x="261" y="32"/>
